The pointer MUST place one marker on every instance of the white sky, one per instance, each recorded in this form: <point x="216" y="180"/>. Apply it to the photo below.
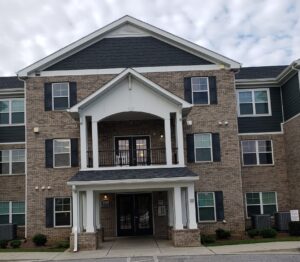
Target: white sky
<point x="253" y="32"/>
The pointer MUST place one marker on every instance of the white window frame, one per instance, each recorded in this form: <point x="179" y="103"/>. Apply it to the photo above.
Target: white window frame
<point x="208" y="93"/>
<point x="215" y="208"/>
<point x="62" y="140"/>
<point x="211" y="148"/>
<point x="11" y="162"/>
<point x="257" y="153"/>
<point x="55" y="212"/>
<point x="52" y="90"/>
<point x="261" y="205"/>
<point x="10" y="213"/>
<point x="253" y="102"/>
<point x="9" y="100"/>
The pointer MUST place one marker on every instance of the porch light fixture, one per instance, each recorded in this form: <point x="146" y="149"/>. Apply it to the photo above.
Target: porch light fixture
<point x="36" y="130"/>
<point x="105" y="197"/>
<point x="161" y="136"/>
<point x="189" y="122"/>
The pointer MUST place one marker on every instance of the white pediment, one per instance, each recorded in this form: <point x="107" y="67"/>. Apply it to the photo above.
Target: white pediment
<point x="127" y="30"/>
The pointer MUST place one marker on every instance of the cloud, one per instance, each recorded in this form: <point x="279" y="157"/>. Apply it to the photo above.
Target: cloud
<point x="253" y="32"/>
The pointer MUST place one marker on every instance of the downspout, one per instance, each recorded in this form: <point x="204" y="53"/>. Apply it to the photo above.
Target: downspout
<point x="25" y="124"/>
<point x="75" y="227"/>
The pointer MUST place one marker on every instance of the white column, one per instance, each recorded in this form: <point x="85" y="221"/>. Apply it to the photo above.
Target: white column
<point x="168" y="143"/>
<point x="75" y="208"/>
<point x="184" y="206"/>
<point x="177" y="208"/>
<point x="82" y="210"/>
<point x="95" y="144"/>
<point x="83" y="142"/>
<point x="192" y="224"/>
<point x="179" y="139"/>
<point x="97" y="210"/>
<point x="170" y="208"/>
<point x="90" y="211"/>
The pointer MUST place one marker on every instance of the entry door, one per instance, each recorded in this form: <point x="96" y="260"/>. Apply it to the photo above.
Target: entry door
<point x="133" y="151"/>
<point x="134" y="214"/>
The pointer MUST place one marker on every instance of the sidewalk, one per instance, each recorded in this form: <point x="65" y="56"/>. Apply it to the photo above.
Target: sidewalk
<point x="150" y="247"/>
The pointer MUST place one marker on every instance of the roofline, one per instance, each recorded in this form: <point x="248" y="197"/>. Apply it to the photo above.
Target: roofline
<point x="133" y="181"/>
<point x="120" y="77"/>
<point x="67" y="50"/>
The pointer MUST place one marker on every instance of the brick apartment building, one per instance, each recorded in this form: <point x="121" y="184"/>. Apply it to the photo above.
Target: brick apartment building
<point x="134" y="131"/>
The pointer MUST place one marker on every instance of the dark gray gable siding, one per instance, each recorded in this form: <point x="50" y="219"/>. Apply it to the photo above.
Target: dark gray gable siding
<point x="128" y="52"/>
<point x="257" y="72"/>
<point x="264" y="123"/>
<point x="10" y="82"/>
<point x="291" y="97"/>
<point x="9" y="134"/>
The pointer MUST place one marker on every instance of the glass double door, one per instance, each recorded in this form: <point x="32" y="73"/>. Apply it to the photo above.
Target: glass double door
<point x="132" y="151"/>
<point x="134" y="214"/>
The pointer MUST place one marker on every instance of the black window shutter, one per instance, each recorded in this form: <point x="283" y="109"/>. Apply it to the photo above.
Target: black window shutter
<point x="48" y="96"/>
<point x="216" y="147"/>
<point x="73" y="93"/>
<point x="213" y="90"/>
<point x="190" y="148"/>
<point x="49" y="152"/>
<point x="187" y="90"/>
<point x="219" y="205"/>
<point x="196" y="206"/>
<point x="74" y="152"/>
<point x="49" y="212"/>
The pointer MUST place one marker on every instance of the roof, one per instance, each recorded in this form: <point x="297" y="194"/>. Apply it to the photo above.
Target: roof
<point x="122" y="174"/>
<point x="128" y="20"/>
<point x="260" y="72"/>
<point x="10" y="82"/>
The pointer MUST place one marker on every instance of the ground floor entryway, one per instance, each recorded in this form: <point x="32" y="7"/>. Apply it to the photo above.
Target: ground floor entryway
<point x="134" y="214"/>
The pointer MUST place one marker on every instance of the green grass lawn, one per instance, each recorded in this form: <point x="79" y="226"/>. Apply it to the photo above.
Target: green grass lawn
<point x="33" y="249"/>
<point x="252" y="241"/>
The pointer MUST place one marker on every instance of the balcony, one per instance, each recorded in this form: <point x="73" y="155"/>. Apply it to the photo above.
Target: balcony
<point x="137" y="157"/>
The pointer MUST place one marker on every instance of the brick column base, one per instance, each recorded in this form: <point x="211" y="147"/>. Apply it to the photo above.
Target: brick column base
<point x="87" y="241"/>
<point x="186" y="238"/>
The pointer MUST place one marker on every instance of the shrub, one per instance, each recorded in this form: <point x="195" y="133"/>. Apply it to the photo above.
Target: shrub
<point x="208" y="239"/>
<point x="3" y="243"/>
<point x="294" y="228"/>
<point x="39" y="239"/>
<point x="268" y="233"/>
<point x="62" y="244"/>
<point x="222" y="234"/>
<point x="253" y="233"/>
<point x="15" y="243"/>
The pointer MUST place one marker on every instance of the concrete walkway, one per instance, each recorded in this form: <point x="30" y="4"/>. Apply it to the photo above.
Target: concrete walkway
<point x="134" y="247"/>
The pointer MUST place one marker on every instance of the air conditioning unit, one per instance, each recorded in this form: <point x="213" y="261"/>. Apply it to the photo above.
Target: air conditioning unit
<point x="8" y="231"/>
<point x="261" y="221"/>
<point x="282" y="220"/>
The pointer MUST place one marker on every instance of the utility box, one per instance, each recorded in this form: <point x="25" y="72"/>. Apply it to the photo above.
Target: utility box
<point x="8" y="231"/>
<point x="261" y="221"/>
<point x="282" y="220"/>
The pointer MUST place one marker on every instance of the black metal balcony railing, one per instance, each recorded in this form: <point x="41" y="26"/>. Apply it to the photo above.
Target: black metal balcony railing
<point x="138" y="157"/>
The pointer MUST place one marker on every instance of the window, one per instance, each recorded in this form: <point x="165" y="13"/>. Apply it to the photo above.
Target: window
<point x="61" y="96"/>
<point x="12" y="111"/>
<point x="206" y="206"/>
<point x="12" y="161"/>
<point x="259" y="203"/>
<point x="257" y="152"/>
<point x="200" y="90"/>
<point x="62" y="212"/>
<point x="254" y="102"/>
<point x="12" y="212"/>
<point x="62" y="152"/>
<point x="203" y="147"/>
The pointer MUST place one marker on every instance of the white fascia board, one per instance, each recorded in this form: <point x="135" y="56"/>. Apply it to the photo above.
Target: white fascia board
<point x="133" y="181"/>
<point x="112" y="71"/>
<point x="95" y="36"/>
<point x="120" y="77"/>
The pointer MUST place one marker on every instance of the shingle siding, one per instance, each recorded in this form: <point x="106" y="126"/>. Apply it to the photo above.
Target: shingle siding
<point x="128" y="52"/>
<point x="291" y="97"/>
<point x="10" y="82"/>
<point x="264" y="123"/>
<point x="259" y="72"/>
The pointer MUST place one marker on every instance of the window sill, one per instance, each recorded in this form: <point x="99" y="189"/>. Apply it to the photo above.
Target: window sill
<point x="1" y="175"/>
<point x="200" y="105"/>
<point x="267" y="165"/>
<point x="253" y="115"/>
<point x="62" y="227"/>
<point x="61" y="167"/>
<point x="207" y="222"/>
<point x="12" y="125"/>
